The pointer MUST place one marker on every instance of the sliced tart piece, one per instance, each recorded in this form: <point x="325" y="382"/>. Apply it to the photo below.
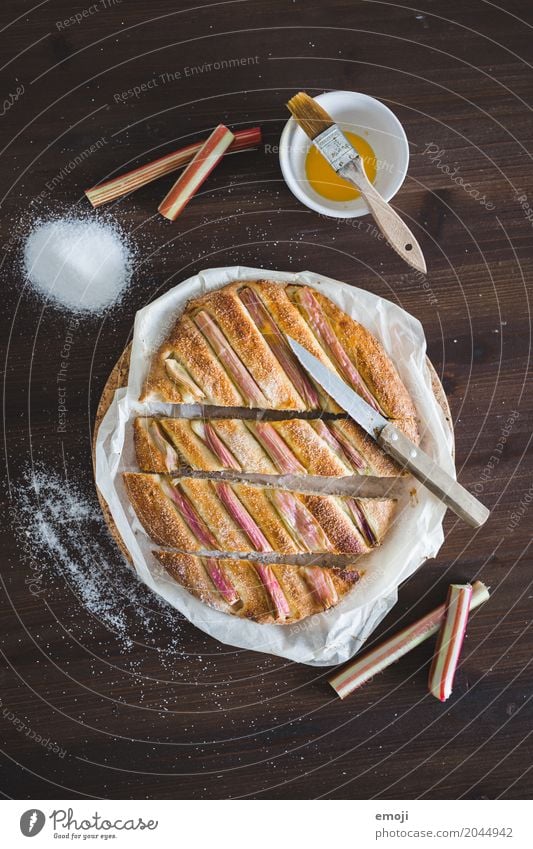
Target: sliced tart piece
<point x="193" y="514"/>
<point x="269" y="594"/>
<point x="230" y="348"/>
<point x="293" y="446"/>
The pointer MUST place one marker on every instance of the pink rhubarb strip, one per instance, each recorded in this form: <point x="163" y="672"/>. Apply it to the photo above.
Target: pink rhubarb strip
<point x="221" y="581"/>
<point x="196" y="172"/>
<point x="241" y="517"/>
<point x="321" y="327"/>
<point x="279" y="347"/>
<point x="273" y="588"/>
<point x="357" y="673"/>
<point x="229" y="359"/>
<point x="277" y="448"/>
<point x="321" y="584"/>
<point x="450" y="641"/>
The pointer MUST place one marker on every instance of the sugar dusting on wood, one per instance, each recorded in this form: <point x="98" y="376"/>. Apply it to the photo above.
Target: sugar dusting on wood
<point x="65" y="537"/>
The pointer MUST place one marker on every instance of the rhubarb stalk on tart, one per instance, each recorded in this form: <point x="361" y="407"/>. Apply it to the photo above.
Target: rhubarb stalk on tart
<point x="208" y="515"/>
<point x="270" y="594"/>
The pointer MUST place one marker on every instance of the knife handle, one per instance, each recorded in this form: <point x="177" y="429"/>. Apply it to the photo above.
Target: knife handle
<point x="439" y="482"/>
<point x="396" y="231"/>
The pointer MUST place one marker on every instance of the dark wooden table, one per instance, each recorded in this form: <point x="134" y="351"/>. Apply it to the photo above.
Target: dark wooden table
<point x="139" y="703"/>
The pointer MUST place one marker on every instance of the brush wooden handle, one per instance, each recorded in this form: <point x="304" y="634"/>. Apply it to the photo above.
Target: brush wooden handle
<point x="389" y="222"/>
<point x="439" y="482"/>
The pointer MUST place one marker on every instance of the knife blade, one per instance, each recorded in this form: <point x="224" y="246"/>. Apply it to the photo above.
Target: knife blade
<point x="393" y="441"/>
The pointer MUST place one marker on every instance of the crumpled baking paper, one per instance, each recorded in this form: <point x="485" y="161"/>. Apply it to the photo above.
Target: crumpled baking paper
<point x="334" y="636"/>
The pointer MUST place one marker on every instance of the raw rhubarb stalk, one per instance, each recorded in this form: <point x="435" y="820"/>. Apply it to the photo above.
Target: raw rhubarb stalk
<point x="229" y="359"/>
<point x="167" y="450"/>
<point x="321" y="585"/>
<point x="213" y="441"/>
<point x="300" y="521"/>
<point x="450" y="641"/>
<point x="179" y="375"/>
<point x="273" y="588"/>
<point x="189" y="514"/>
<point x="241" y="517"/>
<point x="221" y="581"/>
<point x="196" y="172"/>
<point x="279" y="347"/>
<point x="126" y="183"/>
<point x="321" y="327"/>
<point x="356" y="674"/>
<point x="361" y="521"/>
<point x="277" y="448"/>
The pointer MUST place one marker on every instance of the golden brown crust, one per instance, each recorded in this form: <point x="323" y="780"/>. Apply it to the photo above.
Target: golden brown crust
<point x="203" y="497"/>
<point x="192" y="449"/>
<point x="149" y="457"/>
<point x="313" y="453"/>
<point x="187" y="345"/>
<point x="237" y="436"/>
<point x="259" y="506"/>
<point x="336" y="524"/>
<point x="156" y="513"/>
<point x="254" y="601"/>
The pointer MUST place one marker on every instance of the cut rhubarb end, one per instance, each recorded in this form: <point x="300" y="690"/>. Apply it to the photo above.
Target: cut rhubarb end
<point x="190" y="391"/>
<point x="301" y="524"/>
<point x="241" y="517"/>
<point x="229" y="359"/>
<point x="450" y="641"/>
<point x="357" y="673"/>
<point x="273" y="588"/>
<point x="208" y="435"/>
<point x="165" y="448"/>
<point x="361" y="522"/>
<point x="321" y="585"/>
<point x="196" y="172"/>
<point x="221" y="581"/>
<point x="133" y="180"/>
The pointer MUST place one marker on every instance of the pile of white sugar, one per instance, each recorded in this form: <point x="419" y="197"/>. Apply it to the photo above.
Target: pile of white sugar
<point x="81" y="264"/>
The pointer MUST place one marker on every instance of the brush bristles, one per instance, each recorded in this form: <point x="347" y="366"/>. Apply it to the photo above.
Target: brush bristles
<point x="311" y="117"/>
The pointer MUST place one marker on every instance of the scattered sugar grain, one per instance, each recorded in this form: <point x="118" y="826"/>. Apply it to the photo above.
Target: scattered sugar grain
<point x="64" y="535"/>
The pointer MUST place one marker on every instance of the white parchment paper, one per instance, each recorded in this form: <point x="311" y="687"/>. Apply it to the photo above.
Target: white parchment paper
<point x="334" y="636"/>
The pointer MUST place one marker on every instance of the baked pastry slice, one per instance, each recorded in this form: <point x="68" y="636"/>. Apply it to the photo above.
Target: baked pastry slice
<point x="269" y="594"/>
<point x="293" y="446"/>
<point x="229" y="348"/>
<point x="199" y="514"/>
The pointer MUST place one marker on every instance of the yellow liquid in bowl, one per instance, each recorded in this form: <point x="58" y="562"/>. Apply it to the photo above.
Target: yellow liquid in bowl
<point x="326" y="182"/>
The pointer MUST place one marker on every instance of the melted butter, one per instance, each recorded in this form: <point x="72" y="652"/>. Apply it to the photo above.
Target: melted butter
<point x="324" y="180"/>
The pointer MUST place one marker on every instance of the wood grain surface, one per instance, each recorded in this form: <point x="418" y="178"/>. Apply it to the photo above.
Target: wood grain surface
<point x="123" y="698"/>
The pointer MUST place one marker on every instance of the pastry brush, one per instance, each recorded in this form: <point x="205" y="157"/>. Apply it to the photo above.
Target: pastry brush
<point x="344" y="159"/>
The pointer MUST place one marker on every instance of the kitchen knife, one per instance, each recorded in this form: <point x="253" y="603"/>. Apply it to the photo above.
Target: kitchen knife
<point x="394" y="442"/>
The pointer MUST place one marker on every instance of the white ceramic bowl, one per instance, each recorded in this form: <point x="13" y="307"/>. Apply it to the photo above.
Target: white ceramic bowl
<point x="360" y="114"/>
